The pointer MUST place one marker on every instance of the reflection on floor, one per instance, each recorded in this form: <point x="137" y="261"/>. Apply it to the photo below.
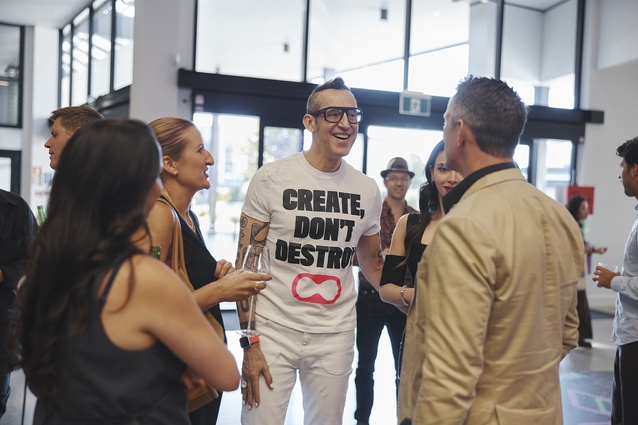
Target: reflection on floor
<point x="586" y="376"/>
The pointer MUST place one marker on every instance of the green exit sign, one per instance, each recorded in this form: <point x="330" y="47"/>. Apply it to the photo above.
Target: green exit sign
<point x="413" y="103"/>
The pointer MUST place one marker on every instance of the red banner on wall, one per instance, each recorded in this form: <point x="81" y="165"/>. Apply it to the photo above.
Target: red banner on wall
<point x="586" y="192"/>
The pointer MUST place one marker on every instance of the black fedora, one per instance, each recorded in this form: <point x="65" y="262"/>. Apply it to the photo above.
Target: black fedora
<point x="397" y="164"/>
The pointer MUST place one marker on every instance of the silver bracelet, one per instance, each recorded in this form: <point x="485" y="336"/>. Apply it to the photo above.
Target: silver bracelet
<point x="402" y="293"/>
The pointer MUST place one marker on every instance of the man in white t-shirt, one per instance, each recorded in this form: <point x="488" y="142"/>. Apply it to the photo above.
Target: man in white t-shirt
<point x="314" y="212"/>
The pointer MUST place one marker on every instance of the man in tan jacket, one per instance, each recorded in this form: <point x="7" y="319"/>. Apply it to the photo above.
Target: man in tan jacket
<point x="495" y="308"/>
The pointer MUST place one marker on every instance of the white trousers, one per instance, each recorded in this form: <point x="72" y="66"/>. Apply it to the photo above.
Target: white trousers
<point x="324" y="364"/>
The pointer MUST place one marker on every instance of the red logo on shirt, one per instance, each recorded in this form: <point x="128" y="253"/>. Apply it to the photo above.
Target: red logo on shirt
<point x="305" y="283"/>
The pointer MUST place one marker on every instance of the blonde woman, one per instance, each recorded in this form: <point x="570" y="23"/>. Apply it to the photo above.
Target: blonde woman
<point x="185" y="163"/>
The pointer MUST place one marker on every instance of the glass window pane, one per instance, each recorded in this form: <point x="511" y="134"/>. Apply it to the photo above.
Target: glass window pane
<point x="384" y="143"/>
<point x="65" y="78"/>
<point x="336" y="46"/>
<point x="10" y="68"/>
<point x="80" y="61"/>
<point x="5" y="172"/>
<point x="438" y="73"/>
<point x="539" y="53"/>
<point x="483" y="24"/>
<point x="124" y="19"/>
<point x="521" y="157"/>
<point x="368" y="76"/>
<point x="554" y="167"/>
<point x="439" y="46"/>
<point x="101" y="49"/>
<point x="251" y="40"/>
<point x="281" y="142"/>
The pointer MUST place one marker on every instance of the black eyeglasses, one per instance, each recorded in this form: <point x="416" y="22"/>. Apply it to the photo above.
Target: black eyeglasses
<point x="333" y="114"/>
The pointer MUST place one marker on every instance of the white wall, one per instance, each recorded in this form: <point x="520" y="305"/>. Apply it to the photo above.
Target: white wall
<point x="482" y="37"/>
<point x="619" y="33"/>
<point x="522" y="38"/>
<point x="559" y="39"/>
<point x="163" y="44"/>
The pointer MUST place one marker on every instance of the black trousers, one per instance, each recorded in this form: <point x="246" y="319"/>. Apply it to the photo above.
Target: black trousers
<point x="584" y="317"/>
<point x="624" y="398"/>
<point x="372" y="316"/>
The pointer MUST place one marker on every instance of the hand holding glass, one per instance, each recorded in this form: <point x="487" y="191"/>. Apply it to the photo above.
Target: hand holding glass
<point x="606" y="281"/>
<point x="256" y="259"/>
<point x="613" y="269"/>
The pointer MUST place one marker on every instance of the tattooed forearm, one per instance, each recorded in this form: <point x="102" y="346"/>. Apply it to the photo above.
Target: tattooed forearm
<point x="244" y="325"/>
<point x="255" y="230"/>
<point x="244" y="305"/>
<point x="243" y="222"/>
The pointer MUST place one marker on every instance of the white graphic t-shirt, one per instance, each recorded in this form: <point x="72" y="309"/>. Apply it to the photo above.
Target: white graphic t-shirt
<point x="316" y="220"/>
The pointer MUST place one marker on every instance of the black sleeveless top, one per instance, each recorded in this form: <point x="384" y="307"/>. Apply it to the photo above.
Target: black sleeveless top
<point x="200" y="264"/>
<point x="101" y="383"/>
<point x="393" y="270"/>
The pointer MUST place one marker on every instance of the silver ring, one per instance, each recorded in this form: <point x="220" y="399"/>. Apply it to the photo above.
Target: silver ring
<point x="244" y="384"/>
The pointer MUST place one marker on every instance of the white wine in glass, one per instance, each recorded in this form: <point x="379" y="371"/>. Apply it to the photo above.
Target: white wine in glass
<point x="256" y="259"/>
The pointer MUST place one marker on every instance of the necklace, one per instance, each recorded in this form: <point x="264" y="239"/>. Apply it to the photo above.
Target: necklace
<point x="189" y="220"/>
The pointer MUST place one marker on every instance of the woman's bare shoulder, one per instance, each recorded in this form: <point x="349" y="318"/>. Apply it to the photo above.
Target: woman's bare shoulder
<point x="161" y="215"/>
<point x="155" y="279"/>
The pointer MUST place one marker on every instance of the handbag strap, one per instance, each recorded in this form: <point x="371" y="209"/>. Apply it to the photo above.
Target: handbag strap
<point x="178" y="260"/>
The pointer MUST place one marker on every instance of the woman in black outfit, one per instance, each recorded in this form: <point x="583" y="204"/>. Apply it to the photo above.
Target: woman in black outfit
<point x="185" y="165"/>
<point x="411" y="237"/>
<point x="106" y="330"/>
<point x="414" y="231"/>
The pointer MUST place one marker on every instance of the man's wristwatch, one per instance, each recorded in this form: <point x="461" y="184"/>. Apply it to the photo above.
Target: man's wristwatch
<point x="247" y="341"/>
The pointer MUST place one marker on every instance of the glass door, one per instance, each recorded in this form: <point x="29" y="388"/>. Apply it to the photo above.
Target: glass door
<point x="414" y="145"/>
<point x="554" y="167"/>
<point x="233" y="140"/>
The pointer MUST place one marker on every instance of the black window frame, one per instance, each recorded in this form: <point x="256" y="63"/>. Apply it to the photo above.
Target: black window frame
<point x="19" y="122"/>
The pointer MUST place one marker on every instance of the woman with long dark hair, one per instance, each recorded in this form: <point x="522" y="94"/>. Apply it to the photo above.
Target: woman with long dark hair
<point x="414" y="231"/>
<point x="411" y="237"/>
<point x="107" y="331"/>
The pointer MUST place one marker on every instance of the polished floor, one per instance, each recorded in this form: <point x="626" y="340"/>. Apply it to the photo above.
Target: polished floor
<point x="585" y="378"/>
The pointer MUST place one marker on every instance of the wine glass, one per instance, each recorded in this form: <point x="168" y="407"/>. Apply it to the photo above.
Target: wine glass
<point x="256" y="259"/>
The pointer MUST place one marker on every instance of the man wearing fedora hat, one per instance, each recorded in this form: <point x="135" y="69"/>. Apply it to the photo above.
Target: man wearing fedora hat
<point x="373" y="314"/>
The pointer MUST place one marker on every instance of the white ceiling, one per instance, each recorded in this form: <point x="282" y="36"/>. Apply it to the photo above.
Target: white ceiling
<point x="52" y="13"/>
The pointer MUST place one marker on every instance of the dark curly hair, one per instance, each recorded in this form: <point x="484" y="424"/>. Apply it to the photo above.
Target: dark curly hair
<point x="629" y="151"/>
<point x="96" y="205"/>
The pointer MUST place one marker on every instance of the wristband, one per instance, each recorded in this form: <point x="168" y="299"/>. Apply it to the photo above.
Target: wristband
<point x="402" y="293"/>
<point x="247" y="341"/>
